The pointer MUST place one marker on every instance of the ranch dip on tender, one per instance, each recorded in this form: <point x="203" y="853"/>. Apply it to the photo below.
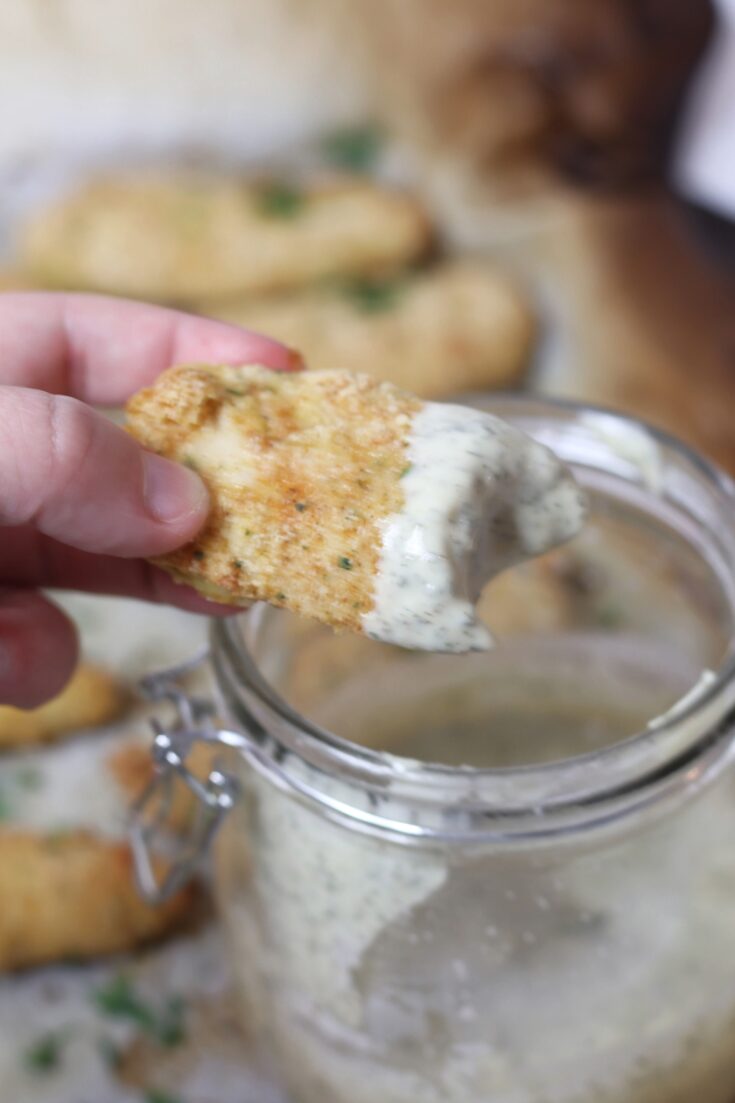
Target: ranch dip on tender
<point x="480" y="495"/>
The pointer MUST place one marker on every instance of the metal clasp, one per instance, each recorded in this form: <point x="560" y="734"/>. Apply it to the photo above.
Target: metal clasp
<point x="150" y="841"/>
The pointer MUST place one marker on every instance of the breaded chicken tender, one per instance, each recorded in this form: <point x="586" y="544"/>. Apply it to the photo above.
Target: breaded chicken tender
<point x="460" y="325"/>
<point x="353" y="502"/>
<point x="93" y="697"/>
<point x="73" y="896"/>
<point x="179" y="238"/>
<point x="302" y="469"/>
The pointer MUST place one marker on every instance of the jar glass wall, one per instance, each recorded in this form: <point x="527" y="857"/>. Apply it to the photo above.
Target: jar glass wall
<point x="508" y="876"/>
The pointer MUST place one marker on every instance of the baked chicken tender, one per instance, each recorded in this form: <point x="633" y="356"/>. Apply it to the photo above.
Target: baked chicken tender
<point x="74" y="896"/>
<point x="92" y="697"/>
<point x="350" y="501"/>
<point x="461" y="325"/>
<point x="178" y="239"/>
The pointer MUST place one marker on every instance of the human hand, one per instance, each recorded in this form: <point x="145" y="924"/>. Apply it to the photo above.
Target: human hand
<point x="81" y="503"/>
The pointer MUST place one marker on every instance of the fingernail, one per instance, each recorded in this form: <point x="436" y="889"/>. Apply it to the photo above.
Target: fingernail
<point x="171" y="491"/>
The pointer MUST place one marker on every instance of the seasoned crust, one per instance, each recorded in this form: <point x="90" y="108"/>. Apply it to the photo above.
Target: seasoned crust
<point x="180" y="238"/>
<point x="74" y="896"/>
<point x="461" y="325"/>
<point x="91" y="698"/>
<point x="301" y="468"/>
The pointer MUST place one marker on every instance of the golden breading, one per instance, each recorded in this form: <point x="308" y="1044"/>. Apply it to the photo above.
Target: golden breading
<point x="92" y="697"/>
<point x="302" y="469"/>
<point x="180" y="238"/>
<point x="459" y="326"/>
<point x="73" y="896"/>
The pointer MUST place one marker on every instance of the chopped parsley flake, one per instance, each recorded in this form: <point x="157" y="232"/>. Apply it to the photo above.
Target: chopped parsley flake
<point x="189" y="461"/>
<point x="280" y="200"/>
<point x="300" y="506"/>
<point x="373" y="296"/>
<point x="280" y="597"/>
<point x="355" y="148"/>
<point x="120" y="1000"/>
<point x="198" y="555"/>
<point x="237" y="564"/>
<point x="345" y="563"/>
<point x="235" y="391"/>
<point x="45" y="1053"/>
<point x="406" y="470"/>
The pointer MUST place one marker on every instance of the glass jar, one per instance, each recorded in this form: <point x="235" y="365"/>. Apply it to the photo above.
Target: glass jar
<point x="505" y="877"/>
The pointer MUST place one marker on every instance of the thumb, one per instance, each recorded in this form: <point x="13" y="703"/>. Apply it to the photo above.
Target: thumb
<point x="87" y="483"/>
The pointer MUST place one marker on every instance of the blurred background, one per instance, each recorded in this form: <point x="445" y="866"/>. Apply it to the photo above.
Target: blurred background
<point x="454" y="194"/>
<point x="585" y="147"/>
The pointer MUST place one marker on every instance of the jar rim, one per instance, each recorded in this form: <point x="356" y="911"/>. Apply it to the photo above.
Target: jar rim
<point x="677" y="750"/>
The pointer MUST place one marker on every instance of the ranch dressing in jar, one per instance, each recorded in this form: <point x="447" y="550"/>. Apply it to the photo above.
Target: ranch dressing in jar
<point x="505" y="877"/>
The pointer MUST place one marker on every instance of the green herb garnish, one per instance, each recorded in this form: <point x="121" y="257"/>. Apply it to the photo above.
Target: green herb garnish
<point x="189" y="461"/>
<point x="406" y="470"/>
<point x="345" y="563"/>
<point x="280" y="200"/>
<point x="120" y="1000"/>
<point x="235" y="391"/>
<point x="237" y="564"/>
<point x="197" y="555"/>
<point x="355" y="148"/>
<point x="300" y="506"/>
<point x="45" y="1053"/>
<point x="280" y="597"/>
<point x="373" y="296"/>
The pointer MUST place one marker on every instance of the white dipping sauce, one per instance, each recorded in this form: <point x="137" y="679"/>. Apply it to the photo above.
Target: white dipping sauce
<point x="479" y="496"/>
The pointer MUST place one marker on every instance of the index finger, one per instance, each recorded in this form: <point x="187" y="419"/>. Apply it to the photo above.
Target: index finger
<point x="101" y="350"/>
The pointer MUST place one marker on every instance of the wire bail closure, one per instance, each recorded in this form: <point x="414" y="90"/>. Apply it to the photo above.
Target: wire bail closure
<point x="214" y="798"/>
